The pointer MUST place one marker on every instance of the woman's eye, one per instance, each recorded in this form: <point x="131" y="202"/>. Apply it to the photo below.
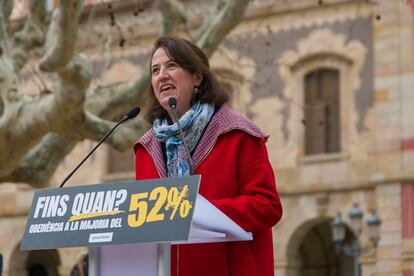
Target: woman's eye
<point x="172" y="65"/>
<point x="155" y="70"/>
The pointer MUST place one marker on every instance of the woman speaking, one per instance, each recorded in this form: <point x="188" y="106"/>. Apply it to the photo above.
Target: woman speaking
<point x="222" y="146"/>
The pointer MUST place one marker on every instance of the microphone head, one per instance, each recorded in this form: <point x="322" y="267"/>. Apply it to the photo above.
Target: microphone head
<point x="172" y="102"/>
<point x="133" y="113"/>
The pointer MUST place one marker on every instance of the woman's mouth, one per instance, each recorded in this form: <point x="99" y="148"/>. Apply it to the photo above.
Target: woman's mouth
<point x="166" y="87"/>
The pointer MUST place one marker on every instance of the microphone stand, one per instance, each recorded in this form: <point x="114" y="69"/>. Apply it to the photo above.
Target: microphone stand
<point x="164" y="250"/>
<point x="173" y="104"/>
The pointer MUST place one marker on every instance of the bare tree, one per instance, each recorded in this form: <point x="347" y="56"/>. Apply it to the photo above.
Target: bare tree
<point x="36" y="133"/>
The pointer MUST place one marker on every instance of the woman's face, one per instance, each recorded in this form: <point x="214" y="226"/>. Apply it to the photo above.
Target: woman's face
<point x="171" y="80"/>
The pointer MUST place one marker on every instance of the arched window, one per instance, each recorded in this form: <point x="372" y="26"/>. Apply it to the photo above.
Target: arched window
<point x="321" y="83"/>
<point x="322" y="122"/>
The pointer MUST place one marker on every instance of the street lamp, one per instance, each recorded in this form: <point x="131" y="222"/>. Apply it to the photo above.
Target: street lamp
<point x="355" y="249"/>
<point x="374" y="224"/>
<point x="338" y="230"/>
<point x="356" y="219"/>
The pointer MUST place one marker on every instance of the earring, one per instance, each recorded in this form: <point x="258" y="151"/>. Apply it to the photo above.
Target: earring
<point x="196" y="91"/>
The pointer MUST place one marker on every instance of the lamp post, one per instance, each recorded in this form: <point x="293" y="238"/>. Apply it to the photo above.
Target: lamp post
<point x="354" y="249"/>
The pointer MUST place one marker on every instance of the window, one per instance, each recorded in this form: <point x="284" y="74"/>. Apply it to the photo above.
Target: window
<point x="322" y="124"/>
<point x="323" y="80"/>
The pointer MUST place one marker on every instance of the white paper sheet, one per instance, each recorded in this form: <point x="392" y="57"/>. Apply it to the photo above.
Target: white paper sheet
<point x="211" y="225"/>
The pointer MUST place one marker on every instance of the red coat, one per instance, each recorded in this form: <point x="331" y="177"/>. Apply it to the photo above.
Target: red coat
<point x="238" y="179"/>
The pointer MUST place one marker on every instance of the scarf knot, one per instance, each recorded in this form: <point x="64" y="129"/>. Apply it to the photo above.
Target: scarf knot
<point x="192" y="123"/>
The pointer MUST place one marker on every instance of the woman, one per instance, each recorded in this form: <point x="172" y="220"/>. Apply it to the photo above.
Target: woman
<point x="227" y="150"/>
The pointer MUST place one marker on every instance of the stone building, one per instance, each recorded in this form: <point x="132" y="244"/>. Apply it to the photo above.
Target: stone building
<point x="331" y="81"/>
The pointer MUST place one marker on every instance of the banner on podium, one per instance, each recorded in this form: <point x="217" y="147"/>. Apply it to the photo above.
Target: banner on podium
<point x="118" y="213"/>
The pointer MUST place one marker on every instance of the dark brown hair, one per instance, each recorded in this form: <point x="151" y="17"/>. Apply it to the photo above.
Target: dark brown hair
<point x="191" y="58"/>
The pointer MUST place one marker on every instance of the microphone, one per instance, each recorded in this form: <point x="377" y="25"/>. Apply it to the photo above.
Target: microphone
<point x="173" y="104"/>
<point x="131" y="114"/>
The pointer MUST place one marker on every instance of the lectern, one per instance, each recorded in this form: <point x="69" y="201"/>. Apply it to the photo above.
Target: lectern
<point x="129" y="226"/>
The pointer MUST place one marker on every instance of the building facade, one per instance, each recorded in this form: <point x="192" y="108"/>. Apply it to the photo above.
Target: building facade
<point x="331" y="81"/>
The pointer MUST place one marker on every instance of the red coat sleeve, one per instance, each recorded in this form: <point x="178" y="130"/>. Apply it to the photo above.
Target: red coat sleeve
<point x="258" y="205"/>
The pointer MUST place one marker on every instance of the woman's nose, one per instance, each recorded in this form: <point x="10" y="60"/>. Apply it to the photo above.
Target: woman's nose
<point x="164" y="74"/>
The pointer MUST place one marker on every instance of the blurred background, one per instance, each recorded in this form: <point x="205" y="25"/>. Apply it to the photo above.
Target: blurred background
<point x="331" y="81"/>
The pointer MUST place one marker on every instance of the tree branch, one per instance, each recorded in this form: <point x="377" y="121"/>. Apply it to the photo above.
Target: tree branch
<point x="172" y="14"/>
<point x="61" y="36"/>
<point x="24" y="123"/>
<point x="31" y="35"/>
<point x="4" y="14"/>
<point x="7" y="7"/>
<point x="41" y="162"/>
<point x="123" y="138"/>
<point x="224" y="16"/>
<point x="112" y="102"/>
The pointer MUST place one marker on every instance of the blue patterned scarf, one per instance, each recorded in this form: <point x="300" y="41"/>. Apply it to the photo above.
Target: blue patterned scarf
<point x="193" y="123"/>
